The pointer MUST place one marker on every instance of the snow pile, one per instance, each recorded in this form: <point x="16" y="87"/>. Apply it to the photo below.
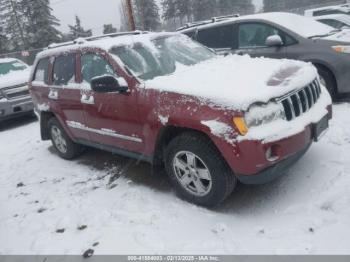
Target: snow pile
<point x="236" y="81"/>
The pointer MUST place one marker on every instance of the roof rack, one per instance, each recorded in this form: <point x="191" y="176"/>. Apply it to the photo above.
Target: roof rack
<point x="94" y="38"/>
<point x="205" y="22"/>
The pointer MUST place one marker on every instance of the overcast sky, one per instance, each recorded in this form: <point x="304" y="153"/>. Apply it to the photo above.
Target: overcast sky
<point x="93" y="13"/>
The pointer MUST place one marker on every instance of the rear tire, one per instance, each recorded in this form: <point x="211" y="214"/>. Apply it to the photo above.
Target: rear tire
<point x="197" y="170"/>
<point x="65" y="147"/>
<point x="328" y="80"/>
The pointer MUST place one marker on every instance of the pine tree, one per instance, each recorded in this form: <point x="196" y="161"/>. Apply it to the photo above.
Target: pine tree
<point x="109" y="29"/>
<point x="184" y="10"/>
<point x="204" y="9"/>
<point x="12" y="21"/>
<point x="169" y="9"/>
<point x="40" y="23"/>
<point x="229" y="7"/>
<point x="146" y="15"/>
<point x="77" y="30"/>
<point x="3" y="42"/>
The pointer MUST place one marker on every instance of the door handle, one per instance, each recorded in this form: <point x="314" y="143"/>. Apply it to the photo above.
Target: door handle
<point x="53" y="94"/>
<point x="87" y="99"/>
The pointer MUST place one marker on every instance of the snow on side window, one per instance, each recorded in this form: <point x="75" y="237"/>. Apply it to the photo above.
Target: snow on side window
<point x="41" y="74"/>
<point x="94" y="65"/>
<point x="64" y="70"/>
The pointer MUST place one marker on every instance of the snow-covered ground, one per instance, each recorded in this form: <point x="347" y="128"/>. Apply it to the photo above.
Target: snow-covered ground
<point x="52" y="206"/>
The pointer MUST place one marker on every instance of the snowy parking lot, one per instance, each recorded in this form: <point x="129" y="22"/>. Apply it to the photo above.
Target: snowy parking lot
<point x="114" y="205"/>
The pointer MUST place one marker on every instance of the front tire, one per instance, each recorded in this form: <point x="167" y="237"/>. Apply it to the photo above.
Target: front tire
<point x="197" y="170"/>
<point x="65" y="147"/>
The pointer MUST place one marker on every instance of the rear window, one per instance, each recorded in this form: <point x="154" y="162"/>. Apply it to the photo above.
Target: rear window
<point x="42" y="71"/>
<point x="217" y="37"/>
<point x="64" y="70"/>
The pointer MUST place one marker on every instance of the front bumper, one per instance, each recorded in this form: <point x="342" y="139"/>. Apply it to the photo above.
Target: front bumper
<point x="15" y="107"/>
<point x="273" y="172"/>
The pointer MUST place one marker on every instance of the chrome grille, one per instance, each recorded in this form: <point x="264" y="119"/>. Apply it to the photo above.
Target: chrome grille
<point x="301" y="101"/>
<point x="18" y="94"/>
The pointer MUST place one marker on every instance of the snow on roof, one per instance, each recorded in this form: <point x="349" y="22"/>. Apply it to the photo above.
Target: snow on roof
<point x="7" y="60"/>
<point x="301" y="25"/>
<point x="105" y="43"/>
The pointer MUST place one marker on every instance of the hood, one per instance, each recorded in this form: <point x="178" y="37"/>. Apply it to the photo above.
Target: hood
<point x="236" y="82"/>
<point x="14" y="78"/>
<point x="342" y="37"/>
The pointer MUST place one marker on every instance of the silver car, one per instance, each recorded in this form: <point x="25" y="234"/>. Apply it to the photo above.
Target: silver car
<point x="282" y="35"/>
<point x="15" y="99"/>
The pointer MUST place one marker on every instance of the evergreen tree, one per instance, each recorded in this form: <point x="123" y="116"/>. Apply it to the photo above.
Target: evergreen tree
<point x="229" y="7"/>
<point x="204" y="9"/>
<point x="40" y="23"/>
<point x="285" y="5"/>
<point x="169" y="9"/>
<point x="77" y="30"/>
<point x="3" y="42"/>
<point x="146" y="15"/>
<point x="12" y="22"/>
<point x="109" y="29"/>
<point x="184" y="10"/>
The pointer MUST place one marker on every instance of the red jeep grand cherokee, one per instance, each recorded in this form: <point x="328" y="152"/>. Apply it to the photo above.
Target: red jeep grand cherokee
<point x="162" y="98"/>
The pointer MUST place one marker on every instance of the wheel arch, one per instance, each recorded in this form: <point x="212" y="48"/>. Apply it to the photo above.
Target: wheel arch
<point x="168" y="133"/>
<point x="324" y="66"/>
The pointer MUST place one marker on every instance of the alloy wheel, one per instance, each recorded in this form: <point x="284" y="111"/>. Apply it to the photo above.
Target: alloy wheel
<point x="192" y="173"/>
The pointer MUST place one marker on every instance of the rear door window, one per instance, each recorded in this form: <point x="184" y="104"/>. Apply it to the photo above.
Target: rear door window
<point x="42" y="71"/>
<point x="93" y="65"/>
<point x="217" y="37"/>
<point x="64" y="70"/>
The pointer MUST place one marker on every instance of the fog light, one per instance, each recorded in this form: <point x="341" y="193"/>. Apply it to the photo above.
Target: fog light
<point x="273" y="153"/>
<point x="2" y="112"/>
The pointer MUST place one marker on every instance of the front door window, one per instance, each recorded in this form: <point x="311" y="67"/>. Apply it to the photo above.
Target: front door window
<point x="94" y="65"/>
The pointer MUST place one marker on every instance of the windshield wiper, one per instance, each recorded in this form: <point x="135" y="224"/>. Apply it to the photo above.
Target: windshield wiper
<point x="325" y="35"/>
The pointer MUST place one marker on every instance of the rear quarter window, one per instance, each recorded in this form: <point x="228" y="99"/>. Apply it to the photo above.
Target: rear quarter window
<point x="42" y="71"/>
<point x="64" y="70"/>
<point x="216" y="37"/>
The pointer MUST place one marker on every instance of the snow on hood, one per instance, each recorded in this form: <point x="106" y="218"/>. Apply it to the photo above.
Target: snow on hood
<point x="236" y="82"/>
<point x="14" y="78"/>
<point x="342" y="36"/>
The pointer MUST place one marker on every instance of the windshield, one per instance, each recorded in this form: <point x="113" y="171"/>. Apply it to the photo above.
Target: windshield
<point x="15" y="65"/>
<point x="160" y="56"/>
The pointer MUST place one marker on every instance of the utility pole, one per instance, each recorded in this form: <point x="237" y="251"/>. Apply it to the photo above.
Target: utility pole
<point x="130" y="12"/>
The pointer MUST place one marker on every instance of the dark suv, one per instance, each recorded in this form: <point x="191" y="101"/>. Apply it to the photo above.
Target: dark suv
<point x="168" y="100"/>
<point x="282" y="35"/>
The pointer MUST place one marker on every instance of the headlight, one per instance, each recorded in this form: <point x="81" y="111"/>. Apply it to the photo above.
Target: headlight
<point x="341" y="49"/>
<point x="262" y="114"/>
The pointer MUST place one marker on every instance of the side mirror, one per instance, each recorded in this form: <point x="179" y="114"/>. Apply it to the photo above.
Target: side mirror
<point x="109" y="84"/>
<point x="274" y="41"/>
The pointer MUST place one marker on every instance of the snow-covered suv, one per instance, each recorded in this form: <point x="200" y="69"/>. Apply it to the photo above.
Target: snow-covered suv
<point x="162" y="98"/>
